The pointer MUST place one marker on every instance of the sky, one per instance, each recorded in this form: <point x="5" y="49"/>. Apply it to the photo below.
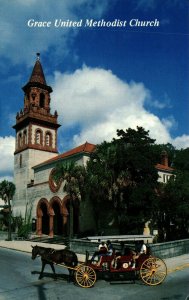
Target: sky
<point x="104" y="76"/>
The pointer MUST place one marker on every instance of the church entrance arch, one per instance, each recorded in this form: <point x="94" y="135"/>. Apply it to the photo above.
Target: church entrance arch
<point x="56" y="218"/>
<point x="43" y="217"/>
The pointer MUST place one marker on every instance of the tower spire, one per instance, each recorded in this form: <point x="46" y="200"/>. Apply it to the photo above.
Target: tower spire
<point x="37" y="78"/>
<point x="37" y="75"/>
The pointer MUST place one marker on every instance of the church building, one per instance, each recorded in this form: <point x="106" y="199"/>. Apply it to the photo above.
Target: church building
<point x="35" y="160"/>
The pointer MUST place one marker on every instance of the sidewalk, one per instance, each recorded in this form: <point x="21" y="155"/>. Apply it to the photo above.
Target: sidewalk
<point x="173" y="263"/>
<point x="26" y="246"/>
<point x="177" y="263"/>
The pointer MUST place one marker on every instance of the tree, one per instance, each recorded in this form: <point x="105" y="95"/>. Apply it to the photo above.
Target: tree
<point x="172" y="206"/>
<point x="99" y="180"/>
<point x="181" y="160"/>
<point x="123" y="173"/>
<point x="73" y="176"/>
<point x="170" y="150"/>
<point x="177" y="194"/>
<point x="7" y="190"/>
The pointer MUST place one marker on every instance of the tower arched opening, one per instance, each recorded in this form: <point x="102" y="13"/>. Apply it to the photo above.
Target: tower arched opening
<point x="42" y="100"/>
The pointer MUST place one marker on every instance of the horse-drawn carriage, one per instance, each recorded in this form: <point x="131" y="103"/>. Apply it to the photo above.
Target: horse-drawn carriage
<point x="150" y="269"/>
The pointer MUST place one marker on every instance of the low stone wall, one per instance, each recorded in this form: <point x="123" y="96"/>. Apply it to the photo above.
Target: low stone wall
<point x="170" y="249"/>
<point x="162" y="250"/>
<point x="81" y="246"/>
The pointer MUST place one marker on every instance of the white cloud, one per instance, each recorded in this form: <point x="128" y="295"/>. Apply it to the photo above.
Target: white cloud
<point x="170" y="122"/>
<point x="165" y="102"/>
<point x="15" y="31"/>
<point x="7" y="147"/>
<point x="181" y="141"/>
<point x="100" y="103"/>
<point x="90" y="95"/>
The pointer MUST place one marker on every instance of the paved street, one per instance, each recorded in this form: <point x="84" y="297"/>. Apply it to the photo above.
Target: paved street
<point x="19" y="280"/>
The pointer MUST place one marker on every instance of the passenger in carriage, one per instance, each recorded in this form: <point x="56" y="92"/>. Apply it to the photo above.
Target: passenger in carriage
<point x="109" y="252"/>
<point x="102" y="250"/>
<point x="125" y="251"/>
<point x="110" y="248"/>
<point x="141" y="249"/>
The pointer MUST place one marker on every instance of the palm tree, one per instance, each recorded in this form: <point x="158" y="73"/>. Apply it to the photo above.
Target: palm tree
<point x="7" y="190"/>
<point x="74" y="177"/>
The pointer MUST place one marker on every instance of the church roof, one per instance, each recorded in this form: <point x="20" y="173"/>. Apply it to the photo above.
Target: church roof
<point x="37" y="73"/>
<point x="88" y="148"/>
<point x="85" y="148"/>
<point x="162" y="167"/>
<point x="37" y="78"/>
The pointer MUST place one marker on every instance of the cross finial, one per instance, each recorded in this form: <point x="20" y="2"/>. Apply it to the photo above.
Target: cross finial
<point x="38" y="56"/>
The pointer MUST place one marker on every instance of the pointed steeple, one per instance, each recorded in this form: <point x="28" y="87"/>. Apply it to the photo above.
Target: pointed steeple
<point x="37" y="78"/>
<point x="37" y="73"/>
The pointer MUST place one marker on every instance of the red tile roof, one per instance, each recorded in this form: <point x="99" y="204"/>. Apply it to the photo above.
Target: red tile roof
<point x="86" y="148"/>
<point x="37" y="74"/>
<point x="164" y="168"/>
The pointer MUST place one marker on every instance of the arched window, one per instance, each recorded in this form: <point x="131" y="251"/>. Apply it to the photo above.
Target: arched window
<point x="42" y="100"/>
<point x="25" y="137"/>
<point x="33" y="96"/>
<point x="19" y="140"/>
<point x="48" y="139"/>
<point x="38" y="137"/>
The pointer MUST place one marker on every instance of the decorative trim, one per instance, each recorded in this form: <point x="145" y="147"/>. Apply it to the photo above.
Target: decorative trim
<point x="36" y="147"/>
<point x="54" y="184"/>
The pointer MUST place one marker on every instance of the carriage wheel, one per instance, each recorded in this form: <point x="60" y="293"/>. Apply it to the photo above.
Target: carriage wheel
<point x="153" y="271"/>
<point x="85" y="276"/>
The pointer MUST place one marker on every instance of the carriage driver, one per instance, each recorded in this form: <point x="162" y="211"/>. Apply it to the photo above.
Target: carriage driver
<point x="136" y="254"/>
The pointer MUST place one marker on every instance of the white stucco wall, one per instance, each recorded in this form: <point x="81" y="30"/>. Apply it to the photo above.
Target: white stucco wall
<point x="24" y="174"/>
<point x="164" y="176"/>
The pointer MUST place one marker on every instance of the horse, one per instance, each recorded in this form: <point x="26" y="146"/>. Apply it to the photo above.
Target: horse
<point x="51" y="256"/>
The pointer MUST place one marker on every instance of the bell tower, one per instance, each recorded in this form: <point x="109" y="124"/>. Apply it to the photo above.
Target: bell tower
<point x="36" y="132"/>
